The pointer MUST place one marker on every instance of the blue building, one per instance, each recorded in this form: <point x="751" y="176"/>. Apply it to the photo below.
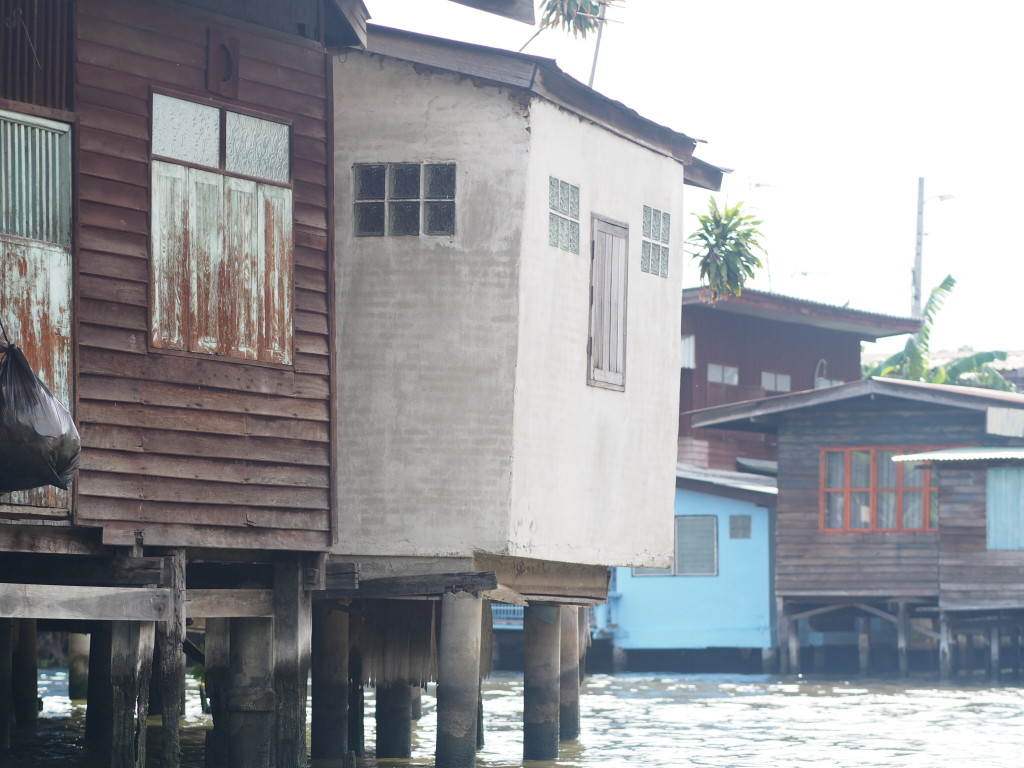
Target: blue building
<point x="718" y="593"/>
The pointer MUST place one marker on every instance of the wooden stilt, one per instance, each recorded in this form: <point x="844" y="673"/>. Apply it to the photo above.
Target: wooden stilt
<point x="131" y="667"/>
<point x="6" y="667"/>
<point x="458" y="682"/>
<point x="394" y="721"/>
<point x="782" y="643"/>
<point x="769" y="661"/>
<point x="945" y="651"/>
<point x="994" y="660"/>
<point x="25" y="675"/>
<point x="78" y="666"/>
<point x="99" y="713"/>
<point x="251" y="694"/>
<point x="218" y="674"/>
<point x="293" y="625"/>
<point x="416" y="703"/>
<point x="329" y="666"/>
<point x="541" y="651"/>
<point x="170" y="635"/>
<point x="903" y="638"/>
<point x="569" y="675"/>
<point x="356" y="710"/>
<point x="864" y="646"/>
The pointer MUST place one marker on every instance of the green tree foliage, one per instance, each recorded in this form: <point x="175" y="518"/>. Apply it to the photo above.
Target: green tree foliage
<point x="913" y="362"/>
<point x="726" y="247"/>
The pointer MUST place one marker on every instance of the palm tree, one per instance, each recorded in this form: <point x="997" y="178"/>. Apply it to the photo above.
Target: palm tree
<point x="726" y="242"/>
<point x="913" y="362"/>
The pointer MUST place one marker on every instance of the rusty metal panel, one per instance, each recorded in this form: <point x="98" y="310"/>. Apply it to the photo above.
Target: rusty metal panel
<point x="169" y="266"/>
<point x="35" y="303"/>
<point x="273" y="283"/>
<point x="35" y="261"/>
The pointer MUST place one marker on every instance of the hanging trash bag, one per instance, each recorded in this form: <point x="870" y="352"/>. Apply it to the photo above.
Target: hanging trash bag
<point x="39" y="444"/>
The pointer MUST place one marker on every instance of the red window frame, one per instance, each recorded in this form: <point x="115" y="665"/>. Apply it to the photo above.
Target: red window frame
<point x="898" y="493"/>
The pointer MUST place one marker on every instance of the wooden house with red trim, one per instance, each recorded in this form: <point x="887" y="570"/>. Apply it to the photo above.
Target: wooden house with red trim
<point x="860" y="533"/>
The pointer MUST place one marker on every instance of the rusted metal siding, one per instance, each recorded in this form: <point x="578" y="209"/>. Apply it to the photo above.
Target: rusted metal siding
<point x="35" y="269"/>
<point x="193" y="447"/>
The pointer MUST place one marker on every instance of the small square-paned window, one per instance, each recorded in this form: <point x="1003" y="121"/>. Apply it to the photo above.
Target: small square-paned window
<point x="404" y="199"/>
<point x="654" y="244"/>
<point x="739" y="526"/>
<point x="563" y="215"/>
<point x="775" y="382"/>
<point x="723" y="374"/>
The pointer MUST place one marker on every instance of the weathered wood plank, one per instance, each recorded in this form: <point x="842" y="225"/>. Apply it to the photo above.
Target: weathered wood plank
<point x="227" y="603"/>
<point x="82" y="571"/>
<point x="415" y="585"/>
<point x="36" y="601"/>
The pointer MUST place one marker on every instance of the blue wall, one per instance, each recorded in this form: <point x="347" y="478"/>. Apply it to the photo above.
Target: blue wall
<point x="730" y="610"/>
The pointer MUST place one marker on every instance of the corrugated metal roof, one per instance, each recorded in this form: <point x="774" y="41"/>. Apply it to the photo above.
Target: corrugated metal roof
<point x="972" y="453"/>
<point x="743" y="481"/>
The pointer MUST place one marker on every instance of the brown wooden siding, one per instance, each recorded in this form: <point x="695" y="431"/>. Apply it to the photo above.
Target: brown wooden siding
<point x="812" y="563"/>
<point x="193" y="449"/>
<point x="753" y="345"/>
<point x="972" y="577"/>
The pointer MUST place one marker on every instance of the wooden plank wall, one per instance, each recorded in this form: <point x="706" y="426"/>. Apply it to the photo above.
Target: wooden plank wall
<point x="753" y="345"/>
<point x="193" y="449"/>
<point x="809" y="562"/>
<point x="971" y="576"/>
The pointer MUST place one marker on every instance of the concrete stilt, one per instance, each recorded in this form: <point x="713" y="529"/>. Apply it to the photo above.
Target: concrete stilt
<point x="394" y="720"/>
<point x="6" y="666"/>
<point x="864" y="645"/>
<point x="903" y="638"/>
<point x="458" y="680"/>
<point x="329" y="665"/>
<point x="218" y="674"/>
<point x="78" y="666"/>
<point x="170" y="635"/>
<point x="25" y="674"/>
<point x="480" y="718"/>
<point x="793" y="634"/>
<point x="569" y="675"/>
<point x="541" y="651"/>
<point x="251" y="701"/>
<point x="131" y="668"/>
<point x="99" y="714"/>
<point x="356" y="710"/>
<point x="783" y="640"/>
<point x="945" y="649"/>
<point x="293" y="629"/>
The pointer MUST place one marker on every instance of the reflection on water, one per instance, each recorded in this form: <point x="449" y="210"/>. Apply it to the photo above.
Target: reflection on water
<point x="677" y="720"/>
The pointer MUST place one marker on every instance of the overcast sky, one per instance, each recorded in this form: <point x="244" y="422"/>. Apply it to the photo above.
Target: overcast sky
<point x="828" y="112"/>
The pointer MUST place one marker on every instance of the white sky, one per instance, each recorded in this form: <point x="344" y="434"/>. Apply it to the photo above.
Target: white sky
<point x="828" y="112"/>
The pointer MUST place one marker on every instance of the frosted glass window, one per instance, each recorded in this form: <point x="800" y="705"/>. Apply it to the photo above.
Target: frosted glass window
<point x="186" y="131"/>
<point x="654" y="256"/>
<point x="256" y="147"/>
<point x="564" y="214"/>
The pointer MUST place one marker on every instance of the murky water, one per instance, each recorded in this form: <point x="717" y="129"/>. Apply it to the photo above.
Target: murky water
<point x="681" y="720"/>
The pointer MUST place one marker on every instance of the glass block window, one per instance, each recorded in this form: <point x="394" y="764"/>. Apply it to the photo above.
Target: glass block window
<point x="404" y="199"/>
<point x="776" y="382"/>
<point x="739" y="526"/>
<point x="563" y="215"/>
<point x="723" y="374"/>
<point x="864" y="491"/>
<point x="654" y="245"/>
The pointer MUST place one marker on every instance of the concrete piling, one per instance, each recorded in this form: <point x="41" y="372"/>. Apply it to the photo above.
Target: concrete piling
<point x="394" y="720"/>
<point x="569" y="675"/>
<point x="458" y="686"/>
<point x="541" y="652"/>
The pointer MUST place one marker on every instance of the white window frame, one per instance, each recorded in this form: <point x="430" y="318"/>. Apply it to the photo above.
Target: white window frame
<point x="724" y="374"/>
<point x="609" y="268"/>
<point x="776" y="382"/>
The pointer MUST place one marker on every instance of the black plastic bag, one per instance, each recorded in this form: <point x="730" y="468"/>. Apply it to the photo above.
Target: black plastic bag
<point x="39" y="444"/>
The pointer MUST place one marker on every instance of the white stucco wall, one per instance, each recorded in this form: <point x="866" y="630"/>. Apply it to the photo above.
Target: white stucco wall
<point x="427" y="325"/>
<point x="593" y="469"/>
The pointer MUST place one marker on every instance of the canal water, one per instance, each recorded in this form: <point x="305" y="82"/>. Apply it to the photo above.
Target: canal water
<point x="659" y="720"/>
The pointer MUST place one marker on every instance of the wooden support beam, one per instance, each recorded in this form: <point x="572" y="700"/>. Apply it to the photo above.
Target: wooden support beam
<point x="782" y="628"/>
<point x="229" y="603"/>
<point x="418" y="585"/>
<point x="339" y="575"/>
<point x="25" y="674"/>
<point x="330" y="694"/>
<point x="250" y="701"/>
<point x="83" y="571"/>
<point x="99" y="713"/>
<point x="356" y="704"/>
<point x="877" y="612"/>
<point x="35" y="601"/>
<point x="131" y="666"/>
<point x="818" y="611"/>
<point x="864" y="646"/>
<point x="171" y="674"/>
<point x="293" y="627"/>
<point x="794" y="645"/>
<point x="218" y="671"/>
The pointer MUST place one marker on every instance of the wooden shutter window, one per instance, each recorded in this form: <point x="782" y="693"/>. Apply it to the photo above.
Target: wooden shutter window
<point x="607" y="347"/>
